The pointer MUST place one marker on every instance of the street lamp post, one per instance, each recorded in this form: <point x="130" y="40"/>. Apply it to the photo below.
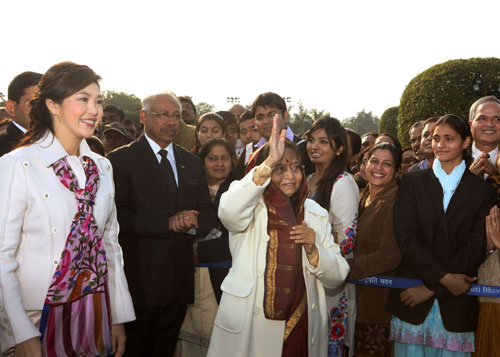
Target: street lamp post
<point x="233" y="100"/>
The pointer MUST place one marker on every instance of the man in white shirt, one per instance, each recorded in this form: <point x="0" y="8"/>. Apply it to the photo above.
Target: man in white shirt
<point x="484" y="120"/>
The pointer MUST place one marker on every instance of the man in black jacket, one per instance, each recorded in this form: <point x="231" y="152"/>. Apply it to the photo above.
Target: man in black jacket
<point x="20" y="92"/>
<point x="162" y="202"/>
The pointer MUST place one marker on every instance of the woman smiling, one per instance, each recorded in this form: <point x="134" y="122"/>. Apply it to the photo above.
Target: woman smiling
<point x="273" y="301"/>
<point x="61" y="271"/>
<point x="376" y="251"/>
<point x="336" y="191"/>
<point x="440" y="227"/>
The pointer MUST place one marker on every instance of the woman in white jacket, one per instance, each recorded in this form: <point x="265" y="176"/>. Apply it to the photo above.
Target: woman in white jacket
<point x="273" y="301"/>
<point x="62" y="287"/>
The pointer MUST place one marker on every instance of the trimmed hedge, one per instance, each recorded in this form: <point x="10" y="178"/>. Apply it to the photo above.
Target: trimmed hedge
<point x="389" y="122"/>
<point x="447" y="88"/>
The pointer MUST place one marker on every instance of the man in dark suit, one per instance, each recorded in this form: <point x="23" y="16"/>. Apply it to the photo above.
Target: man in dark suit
<point x="162" y="201"/>
<point x="20" y="91"/>
<point x="264" y="107"/>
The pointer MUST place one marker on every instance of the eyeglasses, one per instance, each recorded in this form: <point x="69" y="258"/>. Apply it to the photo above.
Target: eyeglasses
<point x="281" y="169"/>
<point x="166" y="115"/>
<point x="269" y="115"/>
<point x="409" y="160"/>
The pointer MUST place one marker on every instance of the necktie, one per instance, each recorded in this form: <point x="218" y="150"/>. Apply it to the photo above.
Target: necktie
<point x="167" y="170"/>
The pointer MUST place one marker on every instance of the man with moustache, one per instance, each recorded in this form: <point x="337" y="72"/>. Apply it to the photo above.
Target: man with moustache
<point x="425" y="146"/>
<point x="162" y="202"/>
<point x="415" y="138"/>
<point x="484" y="121"/>
<point x="20" y="91"/>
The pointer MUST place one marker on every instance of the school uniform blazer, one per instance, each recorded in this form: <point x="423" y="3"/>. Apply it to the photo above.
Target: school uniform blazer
<point x="434" y="243"/>
<point x="159" y="263"/>
<point x="36" y="213"/>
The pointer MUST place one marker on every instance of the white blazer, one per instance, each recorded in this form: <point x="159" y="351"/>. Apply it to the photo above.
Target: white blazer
<point x="36" y="213"/>
<point x="241" y="328"/>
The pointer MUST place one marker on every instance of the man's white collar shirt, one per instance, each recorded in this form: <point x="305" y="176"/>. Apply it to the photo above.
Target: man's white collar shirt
<point x="289" y="135"/>
<point x="493" y="155"/>
<point x="20" y="127"/>
<point x="171" y="157"/>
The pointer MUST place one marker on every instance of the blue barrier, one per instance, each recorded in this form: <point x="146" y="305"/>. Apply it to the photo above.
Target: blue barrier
<point x="405" y="283"/>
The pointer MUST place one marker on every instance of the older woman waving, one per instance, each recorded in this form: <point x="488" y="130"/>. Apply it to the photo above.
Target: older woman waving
<point x="273" y="301"/>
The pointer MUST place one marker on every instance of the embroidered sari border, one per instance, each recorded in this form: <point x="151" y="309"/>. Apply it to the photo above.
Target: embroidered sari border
<point x="294" y="319"/>
<point x="271" y="266"/>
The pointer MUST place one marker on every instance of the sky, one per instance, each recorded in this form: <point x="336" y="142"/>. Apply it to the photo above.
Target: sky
<point x="337" y="56"/>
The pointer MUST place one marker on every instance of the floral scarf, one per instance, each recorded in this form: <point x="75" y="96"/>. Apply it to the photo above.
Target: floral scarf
<point x="76" y="316"/>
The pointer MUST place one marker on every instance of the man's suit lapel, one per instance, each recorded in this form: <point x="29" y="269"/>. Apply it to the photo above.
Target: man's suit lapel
<point x="15" y="135"/>
<point x="150" y="164"/>
<point x="14" y="132"/>
<point x="182" y="175"/>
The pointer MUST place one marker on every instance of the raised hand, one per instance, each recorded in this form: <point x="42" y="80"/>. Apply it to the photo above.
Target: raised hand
<point x="477" y="165"/>
<point x="483" y="164"/>
<point x="488" y="167"/>
<point x="276" y="143"/>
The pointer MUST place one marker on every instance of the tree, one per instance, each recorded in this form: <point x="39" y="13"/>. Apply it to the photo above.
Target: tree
<point x="302" y="120"/>
<point x="389" y="122"/>
<point x="447" y="88"/>
<point x="2" y="99"/>
<point x="202" y="108"/>
<point x="363" y="122"/>
<point x="129" y="103"/>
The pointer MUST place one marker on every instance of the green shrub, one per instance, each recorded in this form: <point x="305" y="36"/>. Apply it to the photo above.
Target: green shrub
<point x="389" y="122"/>
<point x="447" y="88"/>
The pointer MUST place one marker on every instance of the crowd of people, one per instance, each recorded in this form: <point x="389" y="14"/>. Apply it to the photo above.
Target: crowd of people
<point x="227" y="234"/>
